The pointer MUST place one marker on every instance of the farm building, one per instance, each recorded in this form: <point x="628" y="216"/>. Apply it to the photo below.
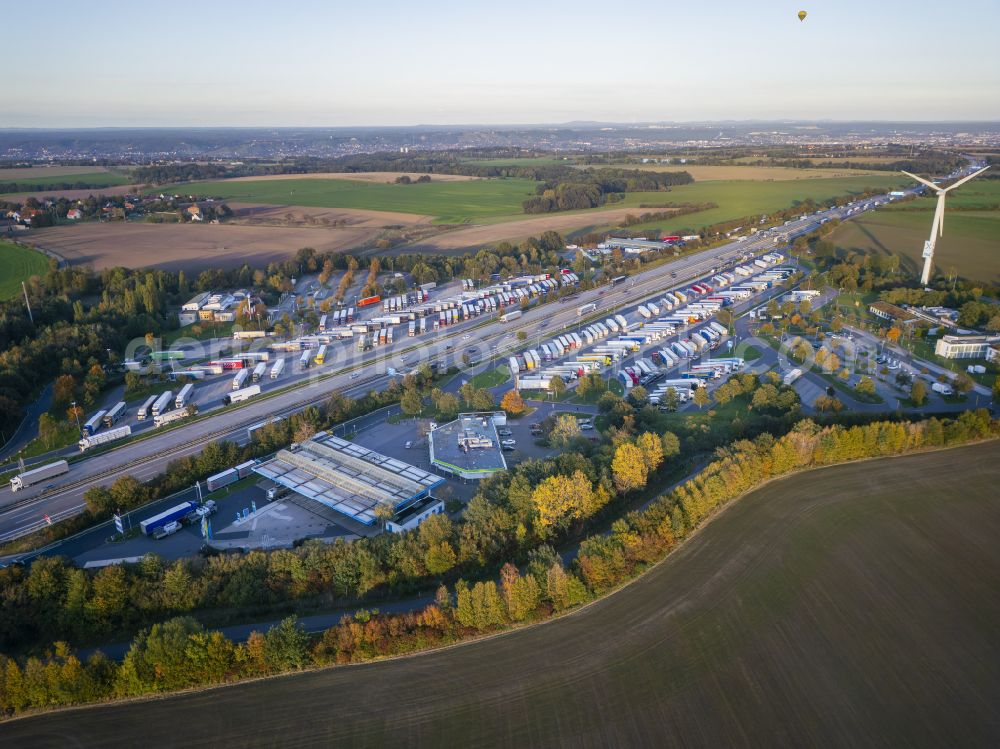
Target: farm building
<point x="356" y="482"/>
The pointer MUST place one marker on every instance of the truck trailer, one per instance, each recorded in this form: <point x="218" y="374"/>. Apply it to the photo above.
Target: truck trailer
<point x="229" y="476"/>
<point x="145" y="408"/>
<point x="115" y="414"/>
<point x="184" y="396"/>
<point x="38" y="475"/>
<point x="174" y="514"/>
<point x="170" y="417"/>
<point x="162" y="404"/>
<point x="93" y="424"/>
<point x="238" y="396"/>
<point x="103" y="438"/>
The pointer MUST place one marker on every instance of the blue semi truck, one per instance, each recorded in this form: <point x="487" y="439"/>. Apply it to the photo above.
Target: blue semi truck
<point x="177" y="513"/>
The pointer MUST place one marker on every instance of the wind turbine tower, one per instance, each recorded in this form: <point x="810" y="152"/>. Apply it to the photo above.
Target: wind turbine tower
<point x="937" y="227"/>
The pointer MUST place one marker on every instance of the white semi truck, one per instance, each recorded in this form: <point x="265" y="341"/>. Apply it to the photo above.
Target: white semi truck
<point x="38" y="475"/>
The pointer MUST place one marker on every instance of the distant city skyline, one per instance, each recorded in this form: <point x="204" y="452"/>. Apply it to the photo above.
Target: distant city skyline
<point x="312" y="64"/>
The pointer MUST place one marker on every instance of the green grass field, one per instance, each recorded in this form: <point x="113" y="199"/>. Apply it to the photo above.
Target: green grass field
<point x="93" y="179"/>
<point x="745" y="198"/>
<point x="491" y="377"/>
<point x="855" y="605"/>
<point x="449" y="202"/>
<point x="18" y="264"/>
<point x="971" y="241"/>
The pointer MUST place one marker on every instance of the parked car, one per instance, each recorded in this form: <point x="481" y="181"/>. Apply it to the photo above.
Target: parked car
<point x="409" y="444"/>
<point x="508" y="444"/>
<point x="504" y="432"/>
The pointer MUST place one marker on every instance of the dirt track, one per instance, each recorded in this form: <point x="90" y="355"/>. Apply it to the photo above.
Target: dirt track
<point x="852" y="606"/>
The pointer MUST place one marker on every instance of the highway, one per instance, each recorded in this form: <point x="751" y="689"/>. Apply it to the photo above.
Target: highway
<point x="356" y="373"/>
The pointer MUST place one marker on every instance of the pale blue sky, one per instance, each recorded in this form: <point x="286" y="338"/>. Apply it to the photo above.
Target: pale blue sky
<point x="309" y="63"/>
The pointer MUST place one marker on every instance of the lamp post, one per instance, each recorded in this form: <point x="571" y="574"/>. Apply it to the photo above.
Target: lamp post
<point x="77" y="415"/>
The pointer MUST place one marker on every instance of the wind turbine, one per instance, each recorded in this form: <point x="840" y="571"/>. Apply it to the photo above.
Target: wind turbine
<point x="937" y="228"/>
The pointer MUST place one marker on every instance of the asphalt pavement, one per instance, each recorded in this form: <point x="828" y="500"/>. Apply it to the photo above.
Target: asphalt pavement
<point x="144" y="459"/>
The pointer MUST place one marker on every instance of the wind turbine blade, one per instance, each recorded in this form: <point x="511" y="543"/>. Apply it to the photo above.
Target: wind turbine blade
<point x="940" y="207"/>
<point x="966" y="179"/>
<point x="922" y="181"/>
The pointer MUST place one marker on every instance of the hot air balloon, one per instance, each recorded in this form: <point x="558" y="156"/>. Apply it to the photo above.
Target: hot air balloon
<point x="802" y="15"/>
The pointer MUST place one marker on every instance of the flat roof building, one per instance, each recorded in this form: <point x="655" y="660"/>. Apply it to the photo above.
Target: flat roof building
<point x="197" y="302"/>
<point x="348" y="478"/>
<point x="468" y="447"/>
<point x="891" y="312"/>
<point x="965" y="346"/>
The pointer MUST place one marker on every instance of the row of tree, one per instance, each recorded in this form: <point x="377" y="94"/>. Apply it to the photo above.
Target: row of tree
<point x="179" y="653"/>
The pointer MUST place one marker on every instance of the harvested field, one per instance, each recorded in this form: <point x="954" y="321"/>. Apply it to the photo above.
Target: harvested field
<point x="20" y="197"/>
<point x="188" y="246"/>
<point x="14" y="174"/>
<point x="259" y="213"/>
<point x="474" y="237"/>
<point x="856" y="605"/>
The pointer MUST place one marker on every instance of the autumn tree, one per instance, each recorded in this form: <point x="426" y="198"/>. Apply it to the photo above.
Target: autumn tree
<point x="701" y="397"/>
<point x="48" y="430"/>
<point x="521" y="594"/>
<point x="63" y="392"/>
<point x="670" y="444"/>
<point x="918" y="392"/>
<point x="558" y="500"/>
<point x="440" y="558"/>
<point x="557" y="386"/>
<point x="562" y="588"/>
<point x="628" y="468"/>
<point x="564" y="431"/>
<point x="865" y="387"/>
<point x="652" y="450"/>
<point x="412" y="403"/>
<point x="512" y="403"/>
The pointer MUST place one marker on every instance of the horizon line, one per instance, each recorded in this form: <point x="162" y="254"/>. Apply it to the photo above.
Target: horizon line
<point x="569" y="123"/>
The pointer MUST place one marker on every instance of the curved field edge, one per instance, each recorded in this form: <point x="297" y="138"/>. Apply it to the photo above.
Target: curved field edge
<point x="725" y="570"/>
<point x="18" y="264"/>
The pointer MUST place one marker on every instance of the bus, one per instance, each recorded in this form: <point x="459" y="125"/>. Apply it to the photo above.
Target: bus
<point x="115" y="414"/>
<point x="618" y="279"/>
<point x="321" y="354"/>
